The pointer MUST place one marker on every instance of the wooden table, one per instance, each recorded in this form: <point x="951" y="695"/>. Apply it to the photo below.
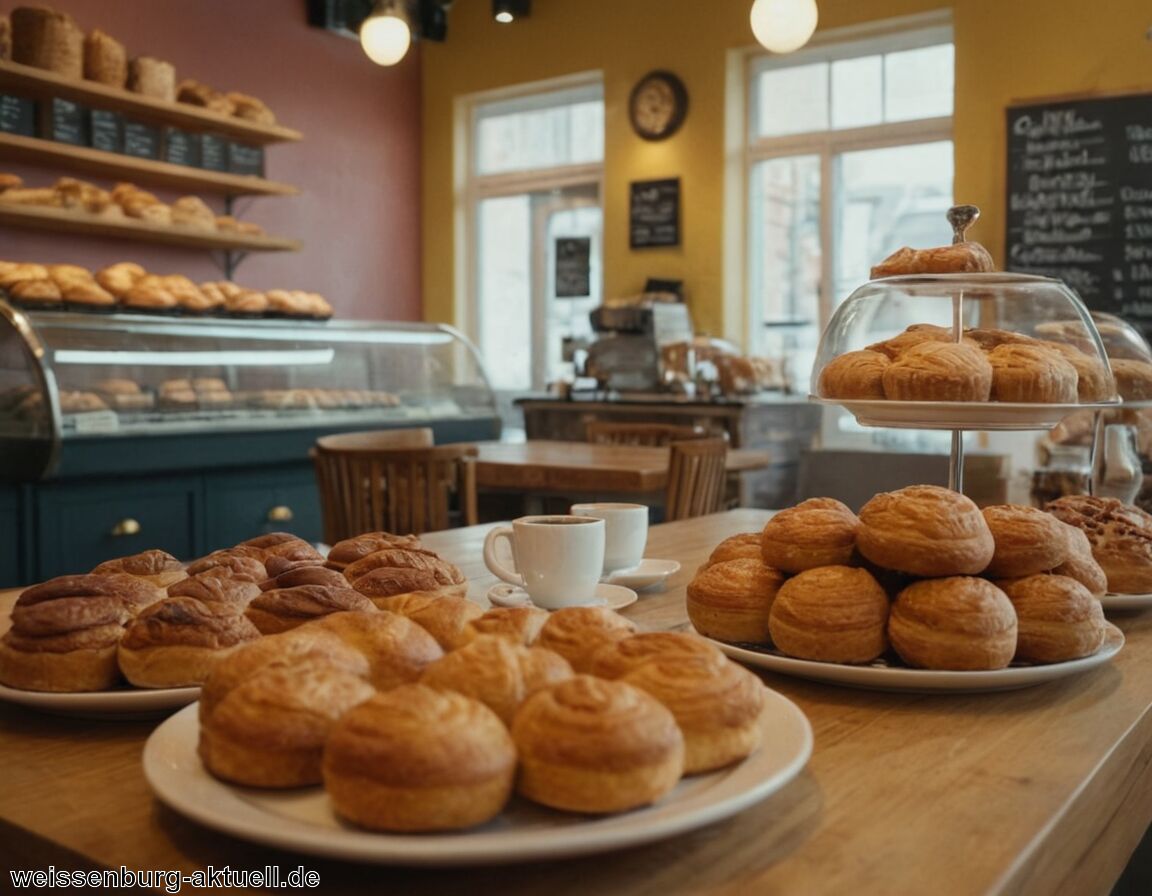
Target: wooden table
<point x="1043" y="790"/>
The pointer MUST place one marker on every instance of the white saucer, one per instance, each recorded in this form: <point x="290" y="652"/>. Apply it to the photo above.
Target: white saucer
<point x="647" y="574"/>
<point x="611" y="596"/>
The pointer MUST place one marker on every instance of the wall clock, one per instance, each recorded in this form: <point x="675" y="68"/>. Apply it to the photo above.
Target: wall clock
<point x="657" y="105"/>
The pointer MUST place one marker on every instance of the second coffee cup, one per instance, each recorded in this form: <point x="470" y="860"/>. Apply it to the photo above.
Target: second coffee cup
<point x="625" y="532"/>
<point x="557" y="558"/>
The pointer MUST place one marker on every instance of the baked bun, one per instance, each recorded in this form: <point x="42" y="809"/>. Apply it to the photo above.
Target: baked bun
<point x="939" y="371"/>
<point x="816" y="532"/>
<point x="1081" y="565"/>
<point x="1058" y="619"/>
<point x="620" y="657"/>
<point x="925" y="530"/>
<point x="224" y="557"/>
<point x="397" y="649"/>
<point x="418" y="759"/>
<point x="858" y="375"/>
<point x="236" y="566"/>
<point x="1032" y="374"/>
<point x="730" y="601"/>
<point x="833" y="614"/>
<point x="576" y="633"/>
<point x="1028" y="541"/>
<point x="957" y="258"/>
<point x="499" y="674"/>
<point x="745" y="545"/>
<point x="158" y="567"/>
<point x="285" y="608"/>
<point x="1094" y="381"/>
<point x="596" y="746"/>
<point x="520" y="625"/>
<point x="209" y="588"/>
<point x="435" y="578"/>
<point x="176" y="642"/>
<point x="988" y="338"/>
<point x="716" y="704"/>
<point x="1133" y="378"/>
<point x="352" y="549"/>
<point x="402" y="558"/>
<point x="445" y="618"/>
<point x="958" y="623"/>
<point x="270" y="730"/>
<point x="1120" y="534"/>
<point x="300" y="572"/>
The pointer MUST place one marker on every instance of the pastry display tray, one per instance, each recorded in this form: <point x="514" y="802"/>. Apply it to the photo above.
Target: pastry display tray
<point x="973" y="415"/>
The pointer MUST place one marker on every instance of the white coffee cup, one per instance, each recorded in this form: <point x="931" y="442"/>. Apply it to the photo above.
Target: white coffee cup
<point x="557" y="558"/>
<point x="625" y="532"/>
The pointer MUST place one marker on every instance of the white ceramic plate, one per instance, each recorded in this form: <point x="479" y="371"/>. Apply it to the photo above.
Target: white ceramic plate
<point x="613" y="597"/>
<point x="303" y="820"/>
<point x="125" y="704"/>
<point x="646" y="575"/>
<point x="1112" y="601"/>
<point x="978" y="415"/>
<point x="896" y="678"/>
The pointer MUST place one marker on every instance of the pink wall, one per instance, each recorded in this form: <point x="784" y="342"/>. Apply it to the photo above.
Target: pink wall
<point x="358" y="166"/>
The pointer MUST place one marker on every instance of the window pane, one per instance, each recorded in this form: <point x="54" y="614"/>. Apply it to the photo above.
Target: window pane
<point x="918" y="83"/>
<point x="792" y="100"/>
<point x="505" y="300"/>
<point x="539" y="138"/>
<point x="857" y="92"/>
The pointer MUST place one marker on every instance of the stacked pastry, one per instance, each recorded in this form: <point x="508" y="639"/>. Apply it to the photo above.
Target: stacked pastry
<point x="1119" y="536"/>
<point x="922" y="572"/>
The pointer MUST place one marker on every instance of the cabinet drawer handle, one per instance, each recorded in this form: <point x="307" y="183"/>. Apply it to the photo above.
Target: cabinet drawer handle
<point x="280" y="514"/>
<point x="126" y="526"/>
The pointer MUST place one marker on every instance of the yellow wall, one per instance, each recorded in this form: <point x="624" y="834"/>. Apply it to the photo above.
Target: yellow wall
<point x="1006" y="50"/>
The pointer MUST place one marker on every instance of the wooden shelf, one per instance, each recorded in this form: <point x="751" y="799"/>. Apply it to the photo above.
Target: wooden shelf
<point x="61" y="220"/>
<point x="41" y="84"/>
<point x="35" y="151"/>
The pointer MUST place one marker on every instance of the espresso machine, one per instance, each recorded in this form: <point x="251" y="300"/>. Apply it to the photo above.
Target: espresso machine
<point x="625" y="356"/>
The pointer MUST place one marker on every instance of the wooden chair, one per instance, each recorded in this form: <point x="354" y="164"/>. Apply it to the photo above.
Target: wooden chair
<point x="606" y="432"/>
<point x="696" y="478"/>
<point x="401" y="489"/>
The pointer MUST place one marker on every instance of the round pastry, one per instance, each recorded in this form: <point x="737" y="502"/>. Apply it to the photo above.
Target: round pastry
<point x="418" y="759"/>
<point x="1120" y="535"/>
<point x="270" y="730"/>
<point x="352" y="549"/>
<point x="285" y="608"/>
<point x="224" y="557"/>
<point x="833" y="614"/>
<point x="988" y="338"/>
<point x="858" y="375"/>
<point x="445" y="618"/>
<point x="498" y="673"/>
<point x="958" y="623"/>
<point x="620" y="657"/>
<point x="269" y="539"/>
<point x="158" y="567"/>
<point x="287" y="547"/>
<point x="596" y="746"/>
<point x="211" y="588"/>
<point x="229" y="565"/>
<point x="730" y="601"/>
<point x="939" y="371"/>
<point x="914" y="335"/>
<point x="40" y="293"/>
<point x="1058" y="619"/>
<point x="397" y="649"/>
<point x="1028" y="541"/>
<point x="1133" y="378"/>
<point x="1094" y="380"/>
<point x="735" y="547"/>
<point x="299" y="572"/>
<point x="962" y="257"/>
<point x="431" y="578"/>
<point x="1081" y="565"/>
<point x="520" y="625"/>
<point x="925" y="530"/>
<point x="1033" y="374"/>
<point x="576" y="633"/>
<point x="816" y="532"/>
<point x="401" y="558"/>
<point x="716" y="703"/>
<point x="176" y="642"/>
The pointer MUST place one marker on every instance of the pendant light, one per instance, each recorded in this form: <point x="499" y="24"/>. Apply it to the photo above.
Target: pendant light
<point x="783" y="25"/>
<point x="386" y="35"/>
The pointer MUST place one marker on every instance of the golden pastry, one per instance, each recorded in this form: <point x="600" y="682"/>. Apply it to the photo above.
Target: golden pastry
<point x="957" y="623"/>
<point x="520" y="625"/>
<point x="833" y="614"/>
<point x="1081" y="565"/>
<point x="745" y="545"/>
<point x="914" y="335"/>
<point x="1094" y="381"/>
<point x="816" y="532"/>
<point x="291" y="573"/>
<point x="224" y="557"/>
<point x="118" y="279"/>
<point x="730" y="601"/>
<point x="1058" y="619"/>
<point x="1120" y="534"/>
<point x="155" y="566"/>
<point x="1133" y="378"/>
<point x="282" y="609"/>
<point x="418" y="759"/>
<point x="1028" y="541"/>
<point x="957" y="258"/>
<point x="213" y="587"/>
<point x="445" y="618"/>
<point x="398" y="650"/>
<point x="618" y="658"/>
<point x="595" y="746"/>
<point x="939" y="371"/>
<point x="352" y="549"/>
<point x="402" y="558"/>
<point x="925" y="530"/>
<point x="576" y="633"/>
<point x="430" y="578"/>
<point x="230" y="564"/>
<point x="987" y="338"/>
<point x="1031" y="374"/>
<point x="854" y="375"/>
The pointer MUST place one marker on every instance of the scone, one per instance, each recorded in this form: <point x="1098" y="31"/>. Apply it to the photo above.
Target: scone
<point x="398" y="650"/>
<point x="1058" y="619"/>
<point x="621" y="657"/>
<point x="285" y="608"/>
<point x="418" y="759"/>
<point x="1032" y="374"/>
<point x="816" y="532"/>
<point x="925" y="530"/>
<point x="595" y="746"/>
<point x="520" y="625"/>
<point x="833" y="614"/>
<point x="854" y="375"/>
<point x="939" y="371"/>
<point x="576" y="633"/>
<point x="1120" y="534"/>
<point x="730" y="601"/>
<point x="1027" y="539"/>
<point x="958" y="623"/>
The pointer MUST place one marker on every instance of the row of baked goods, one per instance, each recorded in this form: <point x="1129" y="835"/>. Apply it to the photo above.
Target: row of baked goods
<point x="123" y="201"/>
<point x="126" y="286"/>
<point x="924" y="577"/>
<point x="52" y="40"/>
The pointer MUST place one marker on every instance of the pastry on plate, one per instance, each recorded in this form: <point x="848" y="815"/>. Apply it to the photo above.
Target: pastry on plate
<point x="1027" y="539"/>
<point x="855" y="375"/>
<point x="618" y="658"/>
<point x="284" y="608"/>
<point x="1058" y="619"/>
<point x="730" y="601"/>
<point x="352" y="549"/>
<point x="397" y="649"/>
<point x="576" y="633"/>
<point x="1081" y="565"/>
<point x="445" y="618"/>
<point x="832" y="614"/>
<point x="816" y="532"/>
<point x="939" y="371"/>
<point x="520" y="625"/>
<point x="1032" y="374"/>
<point x="1120" y="534"/>
<point x="155" y="566"/>
<point x="959" y="623"/>
<point x="734" y="547"/>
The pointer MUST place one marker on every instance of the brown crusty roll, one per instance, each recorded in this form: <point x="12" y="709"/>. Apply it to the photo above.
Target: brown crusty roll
<point x="398" y="650"/>
<point x="1058" y="619"/>
<point x="957" y="623"/>
<point x="1027" y="539"/>
<point x="445" y="618"/>
<point x="1081" y="565"/>
<point x="433" y="578"/>
<point x="155" y="566"/>
<point x="352" y="549"/>
<point x="957" y="258"/>
<point x="105" y="60"/>
<point x="816" y="532"/>
<point x="618" y="658"/>
<point x="1032" y="374"/>
<point x="291" y="573"/>
<point x="284" y="608"/>
<point x="854" y="375"/>
<point x="400" y="558"/>
<point x="730" y="601"/>
<point x="1133" y="378"/>
<point x="1094" y="381"/>
<point x="237" y="566"/>
<point x="832" y="614"/>
<point x="576" y="633"/>
<point x="210" y="588"/>
<point x="939" y="371"/>
<point x="745" y="545"/>
<point x="47" y="39"/>
<point x="520" y="625"/>
<point x="1120" y="534"/>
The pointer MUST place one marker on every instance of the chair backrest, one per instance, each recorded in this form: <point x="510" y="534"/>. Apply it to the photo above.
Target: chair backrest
<point x="420" y="437"/>
<point x="607" y="432"/>
<point x="401" y="490"/>
<point x="696" y="478"/>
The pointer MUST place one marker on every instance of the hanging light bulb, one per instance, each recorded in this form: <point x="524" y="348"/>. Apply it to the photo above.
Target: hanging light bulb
<point x="783" y="25"/>
<point x="385" y="35"/>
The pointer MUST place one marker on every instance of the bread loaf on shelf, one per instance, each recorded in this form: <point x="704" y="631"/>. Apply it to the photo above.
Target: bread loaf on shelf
<point x="47" y="39"/>
<point x="152" y="77"/>
<point x="105" y="60"/>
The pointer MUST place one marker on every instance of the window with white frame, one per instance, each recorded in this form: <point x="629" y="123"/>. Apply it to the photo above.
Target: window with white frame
<point x="849" y="149"/>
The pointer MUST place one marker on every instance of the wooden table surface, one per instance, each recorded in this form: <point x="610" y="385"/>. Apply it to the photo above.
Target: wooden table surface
<point x="1042" y="790"/>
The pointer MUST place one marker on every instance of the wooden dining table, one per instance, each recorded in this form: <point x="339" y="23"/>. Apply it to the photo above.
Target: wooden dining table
<point x="1041" y="790"/>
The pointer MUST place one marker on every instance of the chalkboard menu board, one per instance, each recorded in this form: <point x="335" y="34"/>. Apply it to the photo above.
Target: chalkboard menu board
<point x="106" y="130"/>
<point x="244" y="159"/>
<point x="180" y="147"/>
<point x="1080" y="199"/>
<point x="141" y="140"/>
<point x="213" y="153"/>
<point x="17" y="115"/>
<point x="68" y="122"/>
<point x="654" y="213"/>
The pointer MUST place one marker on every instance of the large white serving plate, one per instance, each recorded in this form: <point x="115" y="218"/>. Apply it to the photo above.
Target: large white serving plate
<point x="127" y="704"/>
<point x="303" y="820"/>
<point x="975" y="415"/>
<point x="881" y="677"/>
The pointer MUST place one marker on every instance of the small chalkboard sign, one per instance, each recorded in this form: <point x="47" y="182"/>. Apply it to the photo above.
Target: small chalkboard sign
<point x="213" y="153"/>
<point x="68" y="122"/>
<point x="245" y="159"/>
<point x="17" y="115"/>
<point x="573" y="267"/>
<point x="141" y="140"/>
<point x="106" y="130"/>
<point x="1080" y="199"/>
<point x="654" y="213"/>
<point x="181" y="148"/>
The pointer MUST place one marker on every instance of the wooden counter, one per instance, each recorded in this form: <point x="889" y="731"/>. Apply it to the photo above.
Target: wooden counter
<point x="1042" y="790"/>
